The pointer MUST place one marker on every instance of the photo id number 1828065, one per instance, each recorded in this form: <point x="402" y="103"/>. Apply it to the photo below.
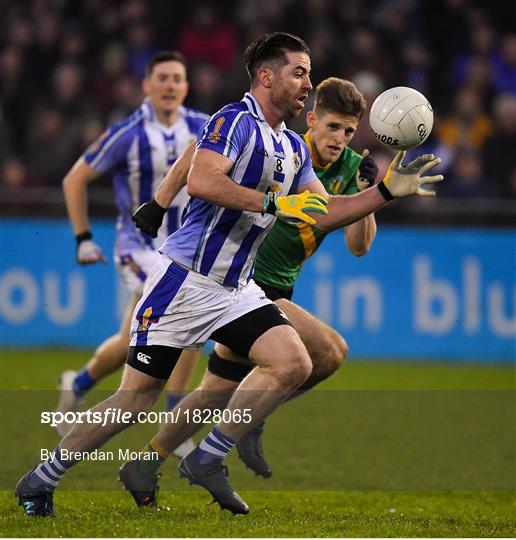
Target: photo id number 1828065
<point x="207" y="416"/>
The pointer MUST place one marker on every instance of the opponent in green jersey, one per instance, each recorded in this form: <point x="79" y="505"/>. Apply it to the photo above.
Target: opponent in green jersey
<point x="282" y="254"/>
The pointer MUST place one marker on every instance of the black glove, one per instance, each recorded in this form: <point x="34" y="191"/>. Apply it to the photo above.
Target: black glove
<point x="149" y="217"/>
<point x="368" y="170"/>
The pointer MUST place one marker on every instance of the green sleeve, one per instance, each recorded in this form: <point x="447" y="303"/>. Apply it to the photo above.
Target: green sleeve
<point x="352" y="159"/>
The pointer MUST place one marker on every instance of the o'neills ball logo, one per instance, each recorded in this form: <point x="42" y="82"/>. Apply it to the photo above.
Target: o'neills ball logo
<point x="386" y="139"/>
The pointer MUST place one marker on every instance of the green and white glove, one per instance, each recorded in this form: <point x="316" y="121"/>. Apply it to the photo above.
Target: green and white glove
<point x="402" y="181"/>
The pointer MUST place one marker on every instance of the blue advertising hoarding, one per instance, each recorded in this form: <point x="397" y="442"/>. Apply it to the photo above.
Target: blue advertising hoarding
<point x="46" y="298"/>
<point x="419" y="293"/>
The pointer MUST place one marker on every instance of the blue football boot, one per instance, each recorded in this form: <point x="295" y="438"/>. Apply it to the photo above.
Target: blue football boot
<point x="36" y="501"/>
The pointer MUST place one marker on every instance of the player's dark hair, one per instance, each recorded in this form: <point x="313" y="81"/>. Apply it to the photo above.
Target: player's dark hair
<point x="165" y="56"/>
<point x="339" y="96"/>
<point x="271" y="49"/>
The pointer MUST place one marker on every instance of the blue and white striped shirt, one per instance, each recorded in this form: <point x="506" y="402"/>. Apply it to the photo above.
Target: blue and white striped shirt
<point x="221" y="242"/>
<point x="139" y="151"/>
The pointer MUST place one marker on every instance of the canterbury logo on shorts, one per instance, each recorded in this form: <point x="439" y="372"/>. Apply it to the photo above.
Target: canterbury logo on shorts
<point x="144" y="358"/>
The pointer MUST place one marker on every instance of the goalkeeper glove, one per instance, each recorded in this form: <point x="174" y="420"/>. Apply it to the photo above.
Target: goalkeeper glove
<point x="367" y="171"/>
<point x="293" y="207"/>
<point x="149" y="217"/>
<point x="87" y="251"/>
<point x="401" y="181"/>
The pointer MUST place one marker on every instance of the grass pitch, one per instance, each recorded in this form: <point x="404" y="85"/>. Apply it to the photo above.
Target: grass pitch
<point x="291" y="513"/>
<point x="383" y="449"/>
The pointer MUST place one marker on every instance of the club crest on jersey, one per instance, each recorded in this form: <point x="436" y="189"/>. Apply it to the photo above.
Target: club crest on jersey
<point x="145" y="322"/>
<point x="297" y="161"/>
<point x="335" y="184"/>
<point x="214" y="136"/>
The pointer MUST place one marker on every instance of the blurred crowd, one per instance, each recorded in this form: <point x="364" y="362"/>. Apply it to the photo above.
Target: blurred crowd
<point x="68" y="68"/>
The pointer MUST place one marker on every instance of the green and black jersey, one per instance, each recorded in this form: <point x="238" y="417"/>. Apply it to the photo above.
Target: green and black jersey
<point x="286" y="247"/>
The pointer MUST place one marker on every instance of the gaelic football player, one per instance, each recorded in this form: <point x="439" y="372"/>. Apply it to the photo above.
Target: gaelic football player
<point x="137" y="153"/>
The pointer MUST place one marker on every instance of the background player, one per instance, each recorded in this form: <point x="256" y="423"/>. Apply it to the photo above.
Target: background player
<point x="338" y="109"/>
<point x="137" y="152"/>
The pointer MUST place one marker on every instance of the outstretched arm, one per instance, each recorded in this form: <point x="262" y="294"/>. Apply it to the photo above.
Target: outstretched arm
<point x="400" y="181"/>
<point x="345" y="209"/>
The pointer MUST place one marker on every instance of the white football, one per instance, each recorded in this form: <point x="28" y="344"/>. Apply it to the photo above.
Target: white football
<point x="401" y="118"/>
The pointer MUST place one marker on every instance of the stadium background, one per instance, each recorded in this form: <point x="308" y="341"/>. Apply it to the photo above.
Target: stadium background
<point x="415" y="435"/>
<point x="437" y="287"/>
<point x="445" y="289"/>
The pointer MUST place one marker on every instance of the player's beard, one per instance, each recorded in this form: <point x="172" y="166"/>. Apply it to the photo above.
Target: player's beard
<point x="284" y="102"/>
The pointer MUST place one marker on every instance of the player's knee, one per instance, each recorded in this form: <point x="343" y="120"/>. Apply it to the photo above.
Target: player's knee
<point x="329" y="355"/>
<point x="293" y="369"/>
<point x="302" y="369"/>
<point x="340" y="351"/>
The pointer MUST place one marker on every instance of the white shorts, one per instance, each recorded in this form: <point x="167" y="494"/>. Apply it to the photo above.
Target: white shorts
<point x="134" y="267"/>
<point x="182" y="308"/>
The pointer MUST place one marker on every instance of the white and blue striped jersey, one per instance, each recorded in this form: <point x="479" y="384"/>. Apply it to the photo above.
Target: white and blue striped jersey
<point x="138" y="152"/>
<point x="221" y="242"/>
